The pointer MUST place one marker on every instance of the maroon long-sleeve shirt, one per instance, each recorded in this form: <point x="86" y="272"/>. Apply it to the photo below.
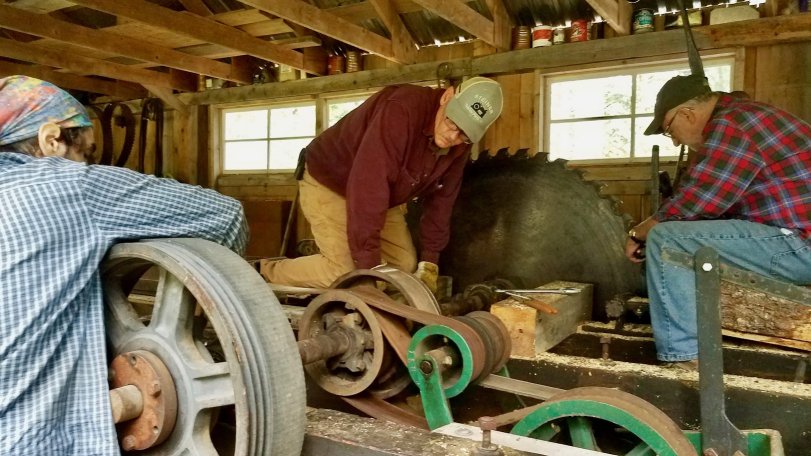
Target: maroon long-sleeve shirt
<point x="381" y="155"/>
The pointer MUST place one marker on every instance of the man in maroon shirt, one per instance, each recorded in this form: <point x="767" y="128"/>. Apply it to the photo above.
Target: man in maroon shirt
<point x="403" y="142"/>
<point x="748" y="195"/>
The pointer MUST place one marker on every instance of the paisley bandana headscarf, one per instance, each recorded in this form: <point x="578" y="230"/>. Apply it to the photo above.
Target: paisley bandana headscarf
<point x="27" y="103"/>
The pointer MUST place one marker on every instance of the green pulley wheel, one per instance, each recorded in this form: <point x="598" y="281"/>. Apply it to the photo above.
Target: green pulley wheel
<point x="607" y="420"/>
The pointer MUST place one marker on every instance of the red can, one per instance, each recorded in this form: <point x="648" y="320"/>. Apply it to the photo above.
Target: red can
<point x="580" y="30"/>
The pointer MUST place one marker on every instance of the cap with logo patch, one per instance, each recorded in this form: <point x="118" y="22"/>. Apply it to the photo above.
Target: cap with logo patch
<point x="475" y="106"/>
<point x="676" y="91"/>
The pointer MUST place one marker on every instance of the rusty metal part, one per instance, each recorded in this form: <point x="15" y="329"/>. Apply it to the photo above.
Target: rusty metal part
<point x="245" y="382"/>
<point x="356" y="369"/>
<point x="336" y="341"/>
<point x="497" y="334"/>
<point x="126" y="403"/>
<point x="402" y="286"/>
<point x="534" y="303"/>
<point x="159" y="400"/>
<point x="379" y="300"/>
<point x="478" y="296"/>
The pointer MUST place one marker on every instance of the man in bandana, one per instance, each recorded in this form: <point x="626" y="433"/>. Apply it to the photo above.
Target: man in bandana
<point x="58" y="218"/>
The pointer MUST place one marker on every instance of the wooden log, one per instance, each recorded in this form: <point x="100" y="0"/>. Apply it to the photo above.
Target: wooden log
<point x="752" y="311"/>
<point x="533" y="331"/>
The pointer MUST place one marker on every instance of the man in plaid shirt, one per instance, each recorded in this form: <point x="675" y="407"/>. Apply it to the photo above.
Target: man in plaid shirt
<point x="748" y="195"/>
<point x="58" y="218"/>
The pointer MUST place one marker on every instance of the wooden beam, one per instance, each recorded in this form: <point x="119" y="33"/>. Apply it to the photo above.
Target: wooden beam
<point x="168" y="97"/>
<point x="42" y="6"/>
<point x="200" y="28"/>
<point x="403" y="45"/>
<point x="458" y="13"/>
<point x="617" y="13"/>
<point x="197" y="7"/>
<point x="363" y="11"/>
<point x="84" y="65"/>
<point x="501" y="22"/>
<point x="328" y="24"/>
<point x="47" y="27"/>
<point x="668" y="43"/>
<point x="119" y="89"/>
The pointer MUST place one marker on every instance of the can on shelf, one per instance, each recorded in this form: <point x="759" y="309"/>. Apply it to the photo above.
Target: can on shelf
<point x="559" y="36"/>
<point x="580" y="30"/>
<point x="643" y="20"/>
<point x="521" y="37"/>
<point x="541" y="36"/>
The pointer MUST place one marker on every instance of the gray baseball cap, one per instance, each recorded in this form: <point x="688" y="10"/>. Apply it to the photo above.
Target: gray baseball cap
<point x="475" y="106"/>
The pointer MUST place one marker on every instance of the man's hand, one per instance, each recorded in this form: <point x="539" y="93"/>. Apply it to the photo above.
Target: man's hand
<point x="428" y="273"/>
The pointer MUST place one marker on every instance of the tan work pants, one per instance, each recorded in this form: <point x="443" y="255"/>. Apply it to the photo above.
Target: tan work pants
<point x="326" y="212"/>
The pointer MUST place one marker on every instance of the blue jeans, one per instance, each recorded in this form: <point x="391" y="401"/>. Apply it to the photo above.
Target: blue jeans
<point x="774" y="252"/>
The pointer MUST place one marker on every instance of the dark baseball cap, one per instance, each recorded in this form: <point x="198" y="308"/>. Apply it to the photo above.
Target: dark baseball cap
<point x="675" y="92"/>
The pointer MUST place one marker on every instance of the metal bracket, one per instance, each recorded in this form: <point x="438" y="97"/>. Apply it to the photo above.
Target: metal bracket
<point x="718" y="434"/>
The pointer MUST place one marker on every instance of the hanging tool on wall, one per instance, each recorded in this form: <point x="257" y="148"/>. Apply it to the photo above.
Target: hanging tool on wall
<point x="152" y="110"/>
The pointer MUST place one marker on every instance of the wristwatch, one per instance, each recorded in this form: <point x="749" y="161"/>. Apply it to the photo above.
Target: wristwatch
<point x="632" y="235"/>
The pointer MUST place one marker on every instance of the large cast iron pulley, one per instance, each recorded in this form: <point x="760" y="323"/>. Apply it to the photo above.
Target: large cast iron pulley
<point x="214" y="354"/>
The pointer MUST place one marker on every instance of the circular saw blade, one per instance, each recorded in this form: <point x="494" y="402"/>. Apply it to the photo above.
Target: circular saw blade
<point x="533" y="221"/>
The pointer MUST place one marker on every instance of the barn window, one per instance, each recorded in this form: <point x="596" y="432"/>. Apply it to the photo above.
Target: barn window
<point x="339" y="107"/>
<point x="603" y="114"/>
<point x="268" y="138"/>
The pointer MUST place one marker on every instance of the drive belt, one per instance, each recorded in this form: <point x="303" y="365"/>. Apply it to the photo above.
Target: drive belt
<point x="395" y="332"/>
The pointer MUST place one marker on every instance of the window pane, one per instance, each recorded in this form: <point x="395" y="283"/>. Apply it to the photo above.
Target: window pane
<point x="592" y="139"/>
<point x="338" y="109"/>
<point x="644" y="144"/>
<point x="246" y="155"/>
<point x="648" y="85"/>
<point x="596" y="97"/>
<point x="284" y="152"/>
<point x="720" y="77"/>
<point x="292" y="121"/>
<point x="246" y="124"/>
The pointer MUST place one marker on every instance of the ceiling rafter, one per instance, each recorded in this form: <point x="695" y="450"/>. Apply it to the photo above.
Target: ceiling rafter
<point x="403" y="44"/>
<point x="328" y="24"/>
<point x="200" y="28"/>
<point x="197" y="7"/>
<point x="117" y="89"/>
<point x="47" y="27"/>
<point x="458" y="13"/>
<point x="617" y="13"/>
<point x="27" y="52"/>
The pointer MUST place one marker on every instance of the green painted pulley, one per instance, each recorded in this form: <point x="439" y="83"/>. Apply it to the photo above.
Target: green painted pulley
<point x="607" y="420"/>
<point x="432" y="337"/>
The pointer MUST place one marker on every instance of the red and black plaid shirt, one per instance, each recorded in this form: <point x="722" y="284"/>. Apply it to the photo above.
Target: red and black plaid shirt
<point x="755" y="165"/>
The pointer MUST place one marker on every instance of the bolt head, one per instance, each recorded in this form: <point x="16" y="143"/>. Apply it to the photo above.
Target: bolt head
<point x="426" y="367"/>
<point x="707" y="267"/>
<point x="128" y="443"/>
<point x="154" y="388"/>
<point x="487" y="423"/>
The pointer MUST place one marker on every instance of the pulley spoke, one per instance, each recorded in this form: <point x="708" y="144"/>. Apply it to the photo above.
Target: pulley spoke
<point x="581" y="433"/>
<point x="172" y="315"/>
<point x="643" y="449"/>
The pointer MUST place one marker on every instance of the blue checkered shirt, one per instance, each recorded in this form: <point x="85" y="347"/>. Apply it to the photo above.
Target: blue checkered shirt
<point x="57" y="220"/>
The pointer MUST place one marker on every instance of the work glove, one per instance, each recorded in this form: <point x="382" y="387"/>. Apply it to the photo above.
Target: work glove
<point x="428" y="273"/>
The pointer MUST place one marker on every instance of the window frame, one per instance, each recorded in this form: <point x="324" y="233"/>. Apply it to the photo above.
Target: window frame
<point x="733" y="57"/>
<point x="221" y="141"/>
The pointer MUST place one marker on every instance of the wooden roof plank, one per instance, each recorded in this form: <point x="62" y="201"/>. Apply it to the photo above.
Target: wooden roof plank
<point x="458" y="13"/>
<point x="117" y="89"/>
<point x="31" y="53"/>
<point x="200" y="28"/>
<point x="45" y="26"/>
<point x="402" y="43"/>
<point x="321" y="21"/>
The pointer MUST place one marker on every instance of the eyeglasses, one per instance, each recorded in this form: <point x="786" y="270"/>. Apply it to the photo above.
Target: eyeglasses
<point x="453" y="127"/>
<point x="666" y="133"/>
